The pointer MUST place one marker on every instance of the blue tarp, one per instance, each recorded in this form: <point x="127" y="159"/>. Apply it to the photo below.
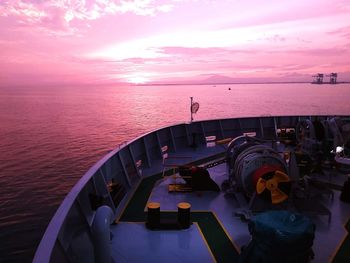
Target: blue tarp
<point x="279" y="236"/>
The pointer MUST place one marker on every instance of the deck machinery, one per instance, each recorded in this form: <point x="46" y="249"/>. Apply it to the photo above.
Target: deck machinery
<point x="275" y="174"/>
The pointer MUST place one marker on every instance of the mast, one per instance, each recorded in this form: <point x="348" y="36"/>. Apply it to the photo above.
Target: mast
<point x="191" y="108"/>
<point x="194" y="107"/>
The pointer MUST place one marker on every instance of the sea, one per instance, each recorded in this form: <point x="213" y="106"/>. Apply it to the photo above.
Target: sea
<point x="50" y="136"/>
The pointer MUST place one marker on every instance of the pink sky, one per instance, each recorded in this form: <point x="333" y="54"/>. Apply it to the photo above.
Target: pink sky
<point x="143" y="41"/>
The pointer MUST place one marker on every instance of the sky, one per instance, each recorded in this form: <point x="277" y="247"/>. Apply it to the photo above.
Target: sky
<point x="171" y="41"/>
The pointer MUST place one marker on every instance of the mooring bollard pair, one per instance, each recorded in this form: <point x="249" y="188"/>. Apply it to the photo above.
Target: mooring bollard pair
<point x="183" y="216"/>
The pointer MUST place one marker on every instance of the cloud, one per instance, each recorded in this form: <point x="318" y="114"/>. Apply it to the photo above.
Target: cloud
<point x="342" y="5"/>
<point x="198" y="51"/>
<point x="223" y="60"/>
<point x="59" y="15"/>
<point x="136" y="39"/>
<point x="274" y="38"/>
<point x="341" y="32"/>
<point x="318" y="52"/>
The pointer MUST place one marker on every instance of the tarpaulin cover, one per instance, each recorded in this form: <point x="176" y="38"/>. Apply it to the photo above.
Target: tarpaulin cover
<point x="279" y="236"/>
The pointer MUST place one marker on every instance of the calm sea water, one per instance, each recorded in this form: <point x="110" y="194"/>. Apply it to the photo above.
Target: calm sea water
<point x="49" y="137"/>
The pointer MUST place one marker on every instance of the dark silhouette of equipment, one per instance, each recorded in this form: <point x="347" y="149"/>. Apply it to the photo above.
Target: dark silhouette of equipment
<point x="318" y="78"/>
<point x="345" y="192"/>
<point x="332" y="78"/>
<point x="198" y="178"/>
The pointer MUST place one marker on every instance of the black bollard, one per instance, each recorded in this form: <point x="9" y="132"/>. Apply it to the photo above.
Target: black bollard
<point x="153" y="215"/>
<point x="184" y="215"/>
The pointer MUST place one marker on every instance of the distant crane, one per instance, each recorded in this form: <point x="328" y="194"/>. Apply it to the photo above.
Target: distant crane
<point x="318" y="78"/>
<point x="332" y="78"/>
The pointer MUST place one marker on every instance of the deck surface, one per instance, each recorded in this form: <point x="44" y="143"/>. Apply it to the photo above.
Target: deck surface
<point x="133" y="242"/>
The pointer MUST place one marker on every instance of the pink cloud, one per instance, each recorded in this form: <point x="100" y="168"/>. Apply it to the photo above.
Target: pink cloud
<point x="343" y="32"/>
<point x="58" y="15"/>
<point x="105" y="40"/>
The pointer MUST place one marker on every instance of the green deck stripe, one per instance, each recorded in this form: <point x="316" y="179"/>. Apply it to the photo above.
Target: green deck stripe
<point x="134" y="212"/>
<point x="343" y="254"/>
<point x="139" y="199"/>
<point x="219" y="243"/>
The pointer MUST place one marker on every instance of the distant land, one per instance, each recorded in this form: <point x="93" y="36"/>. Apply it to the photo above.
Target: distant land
<point x="207" y="79"/>
<point x="215" y="79"/>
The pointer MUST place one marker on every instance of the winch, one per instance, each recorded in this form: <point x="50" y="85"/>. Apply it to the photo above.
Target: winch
<point x="255" y="168"/>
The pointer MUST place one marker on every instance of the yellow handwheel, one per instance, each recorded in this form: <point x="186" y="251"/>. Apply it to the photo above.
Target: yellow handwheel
<point x="272" y="183"/>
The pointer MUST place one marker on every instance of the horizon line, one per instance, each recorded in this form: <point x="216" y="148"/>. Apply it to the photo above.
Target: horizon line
<point x="236" y="83"/>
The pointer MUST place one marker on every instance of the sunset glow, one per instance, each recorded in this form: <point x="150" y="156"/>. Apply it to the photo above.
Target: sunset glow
<point x="170" y="41"/>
